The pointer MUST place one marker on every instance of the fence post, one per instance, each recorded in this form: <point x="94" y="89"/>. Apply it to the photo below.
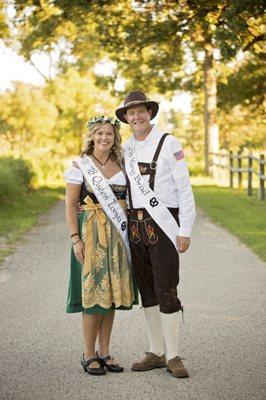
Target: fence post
<point x="231" y="164"/>
<point x="249" y="188"/>
<point x="239" y="165"/>
<point x="261" y="178"/>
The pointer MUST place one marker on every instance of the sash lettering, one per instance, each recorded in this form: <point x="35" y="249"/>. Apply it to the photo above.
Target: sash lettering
<point x="106" y="197"/>
<point x="158" y="211"/>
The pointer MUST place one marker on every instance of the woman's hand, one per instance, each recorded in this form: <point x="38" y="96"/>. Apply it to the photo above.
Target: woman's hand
<point x="79" y="251"/>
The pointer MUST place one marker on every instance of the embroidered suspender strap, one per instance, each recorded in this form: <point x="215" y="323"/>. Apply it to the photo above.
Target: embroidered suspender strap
<point x="157" y="210"/>
<point x="153" y="164"/>
<point x="106" y="197"/>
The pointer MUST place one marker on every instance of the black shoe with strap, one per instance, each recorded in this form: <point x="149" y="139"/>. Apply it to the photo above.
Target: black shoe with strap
<point x="110" y="367"/>
<point x="92" y="371"/>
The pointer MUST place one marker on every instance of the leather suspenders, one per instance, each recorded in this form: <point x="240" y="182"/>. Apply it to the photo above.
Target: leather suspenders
<point x="153" y="166"/>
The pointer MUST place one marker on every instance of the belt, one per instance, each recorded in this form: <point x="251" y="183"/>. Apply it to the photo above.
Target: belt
<point x="141" y="213"/>
<point x="97" y="214"/>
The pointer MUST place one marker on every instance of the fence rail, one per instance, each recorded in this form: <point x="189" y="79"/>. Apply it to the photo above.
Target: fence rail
<point x="234" y="164"/>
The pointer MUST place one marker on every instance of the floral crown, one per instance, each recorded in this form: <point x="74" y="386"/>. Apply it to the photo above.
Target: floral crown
<point x="103" y="120"/>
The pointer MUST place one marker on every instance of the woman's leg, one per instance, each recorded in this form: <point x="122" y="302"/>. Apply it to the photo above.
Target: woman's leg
<point x="105" y="335"/>
<point x="91" y="325"/>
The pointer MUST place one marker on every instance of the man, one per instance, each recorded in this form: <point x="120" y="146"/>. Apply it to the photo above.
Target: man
<point x="161" y="214"/>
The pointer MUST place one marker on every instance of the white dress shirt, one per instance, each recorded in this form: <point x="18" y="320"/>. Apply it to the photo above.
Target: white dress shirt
<point x="172" y="185"/>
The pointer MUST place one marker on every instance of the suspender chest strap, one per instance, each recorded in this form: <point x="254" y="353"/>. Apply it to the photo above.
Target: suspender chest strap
<point x="153" y="164"/>
<point x="153" y="167"/>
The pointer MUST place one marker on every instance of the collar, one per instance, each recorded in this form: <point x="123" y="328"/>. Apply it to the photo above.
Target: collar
<point x="152" y="137"/>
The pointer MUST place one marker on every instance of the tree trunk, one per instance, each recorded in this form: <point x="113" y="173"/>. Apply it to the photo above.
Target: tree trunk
<point x="210" y="107"/>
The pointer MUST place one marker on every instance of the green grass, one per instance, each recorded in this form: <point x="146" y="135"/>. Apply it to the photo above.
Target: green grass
<point x="22" y="213"/>
<point x="244" y="216"/>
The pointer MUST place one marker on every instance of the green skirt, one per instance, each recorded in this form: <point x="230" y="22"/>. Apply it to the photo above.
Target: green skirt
<point x="110" y="284"/>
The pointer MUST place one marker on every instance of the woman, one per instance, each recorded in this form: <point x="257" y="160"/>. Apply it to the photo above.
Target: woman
<point x="100" y="277"/>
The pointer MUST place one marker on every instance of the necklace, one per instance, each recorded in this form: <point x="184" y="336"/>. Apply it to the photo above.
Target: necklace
<point x="102" y="164"/>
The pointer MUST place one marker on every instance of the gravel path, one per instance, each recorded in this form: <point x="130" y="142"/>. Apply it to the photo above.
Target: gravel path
<point x="223" y="338"/>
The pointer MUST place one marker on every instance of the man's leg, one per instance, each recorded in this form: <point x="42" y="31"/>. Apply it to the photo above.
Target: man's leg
<point x="170" y="324"/>
<point x="154" y="329"/>
<point x="143" y="272"/>
<point x="165" y="264"/>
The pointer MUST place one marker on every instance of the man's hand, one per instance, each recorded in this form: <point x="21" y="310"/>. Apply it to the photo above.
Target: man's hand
<point x="183" y="243"/>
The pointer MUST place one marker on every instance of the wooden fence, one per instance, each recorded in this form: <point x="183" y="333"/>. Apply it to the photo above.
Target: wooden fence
<point x="234" y="164"/>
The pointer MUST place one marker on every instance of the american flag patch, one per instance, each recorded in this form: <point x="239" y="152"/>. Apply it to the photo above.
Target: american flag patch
<point x="179" y="155"/>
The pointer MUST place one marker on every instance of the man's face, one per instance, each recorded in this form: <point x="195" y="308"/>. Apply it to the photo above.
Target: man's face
<point x="138" y="118"/>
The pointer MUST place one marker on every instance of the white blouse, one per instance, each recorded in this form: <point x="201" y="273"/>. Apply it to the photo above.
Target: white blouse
<point x="75" y="175"/>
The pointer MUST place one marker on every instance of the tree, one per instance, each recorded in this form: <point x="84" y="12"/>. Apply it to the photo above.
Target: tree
<point x="150" y="41"/>
<point x="4" y="28"/>
<point x="46" y="124"/>
<point x="26" y="117"/>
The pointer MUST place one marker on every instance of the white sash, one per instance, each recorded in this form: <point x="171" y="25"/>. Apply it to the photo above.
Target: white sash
<point x="158" y="211"/>
<point x="106" y="197"/>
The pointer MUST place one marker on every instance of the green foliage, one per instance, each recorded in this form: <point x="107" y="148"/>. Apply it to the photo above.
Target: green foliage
<point x="45" y="125"/>
<point x="22" y="169"/>
<point x="26" y="116"/>
<point x="76" y="99"/>
<point x="234" y="210"/>
<point x="4" y="29"/>
<point x="243" y="85"/>
<point x="157" y="46"/>
<point x="15" y="177"/>
<point x="242" y="127"/>
<point x="8" y="189"/>
<point x="149" y="41"/>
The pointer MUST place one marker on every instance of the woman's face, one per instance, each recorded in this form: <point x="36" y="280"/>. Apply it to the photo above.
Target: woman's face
<point x="104" y="138"/>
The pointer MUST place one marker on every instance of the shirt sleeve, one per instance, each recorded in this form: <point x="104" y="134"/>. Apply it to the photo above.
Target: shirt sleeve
<point x="73" y="175"/>
<point x="180" y="175"/>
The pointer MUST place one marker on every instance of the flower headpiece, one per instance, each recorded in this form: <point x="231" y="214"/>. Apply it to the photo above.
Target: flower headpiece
<point x="103" y="120"/>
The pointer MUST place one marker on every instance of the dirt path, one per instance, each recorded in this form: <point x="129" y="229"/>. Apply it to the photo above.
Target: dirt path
<point x="223" y="338"/>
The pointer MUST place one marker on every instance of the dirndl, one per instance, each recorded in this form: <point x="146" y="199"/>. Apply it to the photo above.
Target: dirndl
<point x="110" y="284"/>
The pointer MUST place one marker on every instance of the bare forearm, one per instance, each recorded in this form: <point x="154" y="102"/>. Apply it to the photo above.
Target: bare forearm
<point x="72" y="218"/>
<point x="72" y="199"/>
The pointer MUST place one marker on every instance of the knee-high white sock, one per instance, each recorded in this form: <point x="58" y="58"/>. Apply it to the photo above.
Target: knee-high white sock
<point x="154" y="328"/>
<point x="170" y="325"/>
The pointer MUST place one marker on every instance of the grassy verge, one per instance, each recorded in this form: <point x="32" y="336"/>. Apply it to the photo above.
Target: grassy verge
<point x="242" y="215"/>
<point x="22" y="213"/>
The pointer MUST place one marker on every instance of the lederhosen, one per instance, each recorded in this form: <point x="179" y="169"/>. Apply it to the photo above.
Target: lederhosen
<point x="154" y="257"/>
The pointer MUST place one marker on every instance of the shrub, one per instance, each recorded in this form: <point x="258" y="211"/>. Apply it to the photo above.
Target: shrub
<point x="8" y="187"/>
<point x="15" y="177"/>
<point x="21" y="168"/>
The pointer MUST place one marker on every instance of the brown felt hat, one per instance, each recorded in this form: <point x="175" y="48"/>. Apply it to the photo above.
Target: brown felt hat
<point x="135" y="98"/>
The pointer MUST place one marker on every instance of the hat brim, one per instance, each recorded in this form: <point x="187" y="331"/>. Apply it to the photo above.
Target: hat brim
<point x="153" y="105"/>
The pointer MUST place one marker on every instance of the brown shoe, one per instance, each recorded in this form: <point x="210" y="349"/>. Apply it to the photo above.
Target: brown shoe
<point x="176" y="368"/>
<point x="150" y="361"/>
